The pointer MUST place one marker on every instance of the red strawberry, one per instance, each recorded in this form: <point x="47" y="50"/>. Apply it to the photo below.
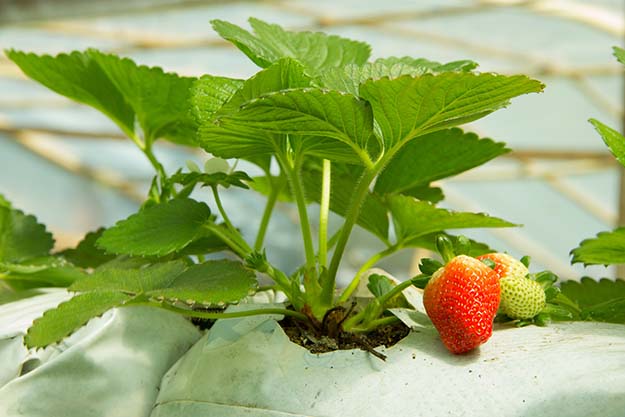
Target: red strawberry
<point x="461" y="299"/>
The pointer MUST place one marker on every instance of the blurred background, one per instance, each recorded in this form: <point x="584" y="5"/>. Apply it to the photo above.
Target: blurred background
<point x="72" y="168"/>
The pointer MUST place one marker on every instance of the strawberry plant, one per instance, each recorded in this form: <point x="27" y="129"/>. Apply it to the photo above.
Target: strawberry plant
<point x="363" y="139"/>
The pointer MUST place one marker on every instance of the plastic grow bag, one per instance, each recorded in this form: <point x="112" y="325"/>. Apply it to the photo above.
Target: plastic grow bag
<point x="111" y="367"/>
<point x="248" y="367"/>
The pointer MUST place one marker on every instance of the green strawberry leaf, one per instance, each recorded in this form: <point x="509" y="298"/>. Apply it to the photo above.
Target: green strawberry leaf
<point x="284" y="74"/>
<point x="79" y="77"/>
<point x="210" y="283"/>
<point x="407" y="107"/>
<point x="57" y="323"/>
<point x="613" y="139"/>
<point x="158" y="230"/>
<point x="317" y="51"/>
<point x="426" y="193"/>
<point x="350" y="77"/>
<point x="436" y="156"/>
<point x="221" y="179"/>
<point x="379" y="285"/>
<point x="428" y="241"/>
<point x="209" y="93"/>
<point x="619" y="53"/>
<point x="606" y="249"/>
<point x="46" y="271"/>
<point x="602" y="300"/>
<point x="121" y="89"/>
<point x="589" y="292"/>
<point x="133" y="281"/>
<point x="328" y="124"/>
<point x="21" y="237"/>
<point x="87" y="254"/>
<point x="161" y="101"/>
<point x="413" y="219"/>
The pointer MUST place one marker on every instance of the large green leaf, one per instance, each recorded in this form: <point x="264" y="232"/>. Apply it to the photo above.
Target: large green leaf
<point x="435" y="156"/>
<point x="119" y="88"/>
<point x="317" y="51"/>
<point x="413" y="218"/>
<point x="21" y="237"/>
<point x="285" y="74"/>
<point x="349" y="77"/>
<point x="86" y="254"/>
<point x="61" y="321"/>
<point x="79" y="77"/>
<point x="212" y="282"/>
<point x="407" y="107"/>
<point x="209" y="93"/>
<point x="131" y="280"/>
<point x="161" y="101"/>
<point x="606" y="249"/>
<point x="327" y="124"/>
<point x="602" y="300"/>
<point x="158" y="230"/>
<point x="613" y="139"/>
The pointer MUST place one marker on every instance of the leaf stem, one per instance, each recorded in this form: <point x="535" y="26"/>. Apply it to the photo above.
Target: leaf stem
<point x="324" y="210"/>
<point x="384" y="321"/>
<point x="215" y="316"/>
<point x="347" y="292"/>
<point x="271" y="203"/>
<point x="297" y="189"/>
<point x="229" y="240"/>
<point x="360" y="193"/>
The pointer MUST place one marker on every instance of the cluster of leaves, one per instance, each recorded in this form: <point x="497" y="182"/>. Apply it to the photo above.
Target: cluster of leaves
<point x="365" y="140"/>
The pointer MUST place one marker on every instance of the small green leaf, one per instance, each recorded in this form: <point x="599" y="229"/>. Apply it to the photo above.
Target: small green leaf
<point x="209" y="93"/>
<point x="157" y="230"/>
<point x="21" y="237"/>
<point x="436" y="156"/>
<point x="606" y="249"/>
<point x="428" y="241"/>
<point x="426" y="193"/>
<point x="317" y="51"/>
<point x="407" y="107"/>
<point x="413" y="219"/>
<point x="613" y="139"/>
<point x="209" y="180"/>
<point x="131" y="281"/>
<point x="619" y="53"/>
<point x="79" y="77"/>
<point x="87" y="254"/>
<point x="59" y="322"/>
<point x="41" y="272"/>
<point x="380" y="285"/>
<point x="212" y="282"/>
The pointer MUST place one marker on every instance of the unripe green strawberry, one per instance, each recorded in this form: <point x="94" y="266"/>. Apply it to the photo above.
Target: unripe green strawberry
<point x="521" y="297"/>
<point x="461" y="299"/>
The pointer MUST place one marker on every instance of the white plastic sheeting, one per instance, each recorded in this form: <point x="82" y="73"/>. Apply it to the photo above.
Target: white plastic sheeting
<point x="111" y="367"/>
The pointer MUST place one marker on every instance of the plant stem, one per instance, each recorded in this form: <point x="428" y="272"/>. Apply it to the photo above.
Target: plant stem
<point x="271" y="203"/>
<point x="214" y="316"/>
<point x="384" y="321"/>
<point x="347" y="292"/>
<point x="324" y="210"/>
<point x="297" y="189"/>
<point x="229" y="240"/>
<point x="360" y="193"/>
<point x="220" y="207"/>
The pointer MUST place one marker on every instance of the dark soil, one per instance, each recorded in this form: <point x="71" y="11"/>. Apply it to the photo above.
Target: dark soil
<point x="318" y="341"/>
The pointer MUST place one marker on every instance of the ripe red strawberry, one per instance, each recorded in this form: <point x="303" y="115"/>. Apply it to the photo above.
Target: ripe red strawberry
<point x="461" y="299"/>
<point x="521" y="297"/>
